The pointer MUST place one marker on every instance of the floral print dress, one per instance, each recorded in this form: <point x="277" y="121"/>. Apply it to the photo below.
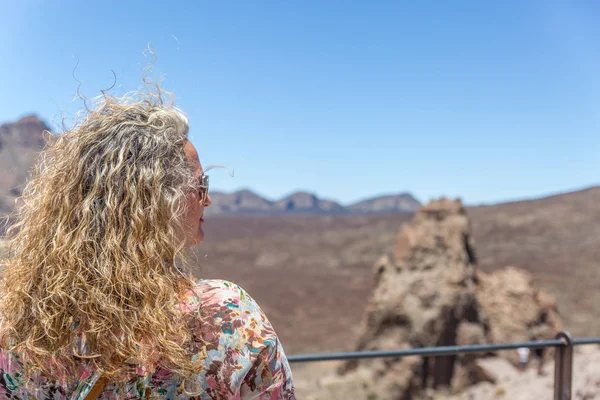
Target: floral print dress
<point x="243" y="357"/>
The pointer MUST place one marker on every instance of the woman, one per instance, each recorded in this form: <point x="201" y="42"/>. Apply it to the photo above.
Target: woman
<point x="94" y="301"/>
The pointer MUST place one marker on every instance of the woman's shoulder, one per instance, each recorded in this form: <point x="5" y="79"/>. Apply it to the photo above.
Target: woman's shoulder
<point x="216" y="287"/>
<point x="228" y="315"/>
<point x="216" y="299"/>
<point x="211" y="292"/>
<point x="242" y="353"/>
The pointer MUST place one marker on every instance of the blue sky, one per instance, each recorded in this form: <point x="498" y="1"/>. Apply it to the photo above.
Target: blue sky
<point x="481" y="100"/>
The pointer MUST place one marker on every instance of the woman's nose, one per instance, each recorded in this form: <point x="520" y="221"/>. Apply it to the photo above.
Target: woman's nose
<point x="208" y="201"/>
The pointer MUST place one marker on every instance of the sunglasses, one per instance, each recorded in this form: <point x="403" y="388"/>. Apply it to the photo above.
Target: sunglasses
<point x="203" y="188"/>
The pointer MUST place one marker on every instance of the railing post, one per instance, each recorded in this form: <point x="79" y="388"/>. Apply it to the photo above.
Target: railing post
<point x="563" y="367"/>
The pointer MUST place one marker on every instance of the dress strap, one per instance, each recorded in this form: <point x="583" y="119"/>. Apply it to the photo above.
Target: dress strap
<point x="96" y="389"/>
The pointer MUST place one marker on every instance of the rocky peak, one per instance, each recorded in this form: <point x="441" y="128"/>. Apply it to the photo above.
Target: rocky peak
<point x="20" y="143"/>
<point x="298" y="201"/>
<point x="26" y="133"/>
<point x="403" y="202"/>
<point x="238" y="202"/>
<point x="306" y="202"/>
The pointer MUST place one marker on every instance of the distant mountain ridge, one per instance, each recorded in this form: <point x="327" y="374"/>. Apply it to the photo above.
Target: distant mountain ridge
<point x="247" y="202"/>
<point x="21" y="141"/>
<point x="402" y="202"/>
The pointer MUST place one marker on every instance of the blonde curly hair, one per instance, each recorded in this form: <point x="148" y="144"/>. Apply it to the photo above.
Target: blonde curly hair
<point x="94" y="269"/>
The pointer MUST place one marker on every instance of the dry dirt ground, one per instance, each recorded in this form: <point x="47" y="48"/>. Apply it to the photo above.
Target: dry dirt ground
<point x="312" y="274"/>
<point x="318" y="381"/>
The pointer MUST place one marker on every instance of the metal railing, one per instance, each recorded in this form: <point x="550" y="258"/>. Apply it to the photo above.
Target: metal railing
<point x="563" y="357"/>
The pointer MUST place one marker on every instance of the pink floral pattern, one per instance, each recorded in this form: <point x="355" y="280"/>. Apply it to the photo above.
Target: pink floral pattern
<point x="242" y="355"/>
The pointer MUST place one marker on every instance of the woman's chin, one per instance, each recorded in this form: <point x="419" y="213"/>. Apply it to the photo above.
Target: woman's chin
<point x="199" y="237"/>
<point x="195" y="240"/>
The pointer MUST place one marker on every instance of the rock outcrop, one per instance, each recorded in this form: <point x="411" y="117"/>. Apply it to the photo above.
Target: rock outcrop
<point x="428" y="293"/>
<point x="20" y="143"/>
<point x="514" y="309"/>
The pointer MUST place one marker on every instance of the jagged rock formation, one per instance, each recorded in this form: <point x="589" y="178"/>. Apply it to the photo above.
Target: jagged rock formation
<point x="428" y="293"/>
<point x="514" y="309"/>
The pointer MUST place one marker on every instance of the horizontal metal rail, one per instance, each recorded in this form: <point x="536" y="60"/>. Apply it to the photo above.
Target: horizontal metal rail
<point x="563" y="359"/>
<point x="437" y="351"/>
